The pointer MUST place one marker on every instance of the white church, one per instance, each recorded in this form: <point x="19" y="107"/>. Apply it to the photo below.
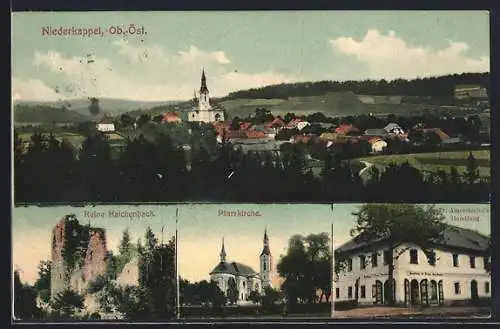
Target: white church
<point x="203" y="111"/>
<point x="459" y="274"/>
<point x="246" y="279"/>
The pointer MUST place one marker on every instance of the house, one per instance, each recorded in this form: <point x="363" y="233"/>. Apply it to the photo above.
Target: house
<point x="106" y="124"/>
<point x="244" y="278"/>
<point x="171" y="117"/>
<point x="300" y="139"/>
<point x="459" y="273"/>
<point x="301" y="125"/>
<point x="346" y="129"/>
<point x="378" y="144"/>
<point x="277" y="123"/>
<point x="441" y="135"/>
<point x="394" y="129"/>
<point x="376" y="132"/>
<point x="293" y="124"/>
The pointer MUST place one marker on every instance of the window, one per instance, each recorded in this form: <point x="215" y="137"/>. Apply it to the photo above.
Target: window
<point x="264" y="266"/>
<point x="387" y="257"/>
<point x="487" y="287"/>
<point x="349" y="292"/>
<point x="243" y="284"/>
<point x="455" y="260"/>
<point x="374" y="259"/>
<point x="349" y="265"/>
<point x="472" y="261"/>
<point x="434" y="291"/>
<point x="362" y="262"/>
<point x="337" y="292"/>
<point x="486" y="262"/>
<point x="457" y="288"/>
<point x="413" y="256"/>
<point x="363" y="292"/>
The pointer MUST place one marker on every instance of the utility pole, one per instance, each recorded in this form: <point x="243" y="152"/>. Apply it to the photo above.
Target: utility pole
<point x="332" y="295"/>
<point x="178" y="313"/>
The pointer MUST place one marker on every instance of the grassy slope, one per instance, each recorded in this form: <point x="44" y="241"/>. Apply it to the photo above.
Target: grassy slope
<point x="430" y="161"/>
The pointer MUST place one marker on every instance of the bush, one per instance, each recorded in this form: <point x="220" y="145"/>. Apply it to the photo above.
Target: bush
<point x="98" y="284"/>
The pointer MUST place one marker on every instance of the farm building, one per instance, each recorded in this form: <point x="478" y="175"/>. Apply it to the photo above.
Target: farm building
<point x="106" y="124"/>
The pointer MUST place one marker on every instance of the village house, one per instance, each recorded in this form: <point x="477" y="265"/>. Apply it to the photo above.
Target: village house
<point x="105" y="125"/>
<point x="394" y="129"/>
<point x="377" y="144"/>
<point x="171" y="117"/>
<point x="458" y="275"/>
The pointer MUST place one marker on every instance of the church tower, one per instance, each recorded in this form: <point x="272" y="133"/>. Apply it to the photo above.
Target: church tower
<point x="204" y="99"/>
<point x="266" y="263"/>
<point x="223" y="253"/>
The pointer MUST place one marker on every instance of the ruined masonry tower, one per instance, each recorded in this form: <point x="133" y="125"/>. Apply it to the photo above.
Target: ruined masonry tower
<point x="89" y="255"/>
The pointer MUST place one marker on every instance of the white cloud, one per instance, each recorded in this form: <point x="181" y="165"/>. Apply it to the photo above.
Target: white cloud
<point x="33" y="89"/>
<point x="142" y="73"/>
<point x="388" y="56"/>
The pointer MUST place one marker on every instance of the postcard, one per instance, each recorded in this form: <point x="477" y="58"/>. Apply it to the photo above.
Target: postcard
<point x="251" y="262"/>
<point x="251" y="107"/>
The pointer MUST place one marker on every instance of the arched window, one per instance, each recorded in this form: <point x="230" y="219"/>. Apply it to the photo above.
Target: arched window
<point x="433" y="292"/>
<point x="424" y="296"/>
<point x="440" y="292"/>
<point x="264" y="266"/>
<point x="407" y="292"/>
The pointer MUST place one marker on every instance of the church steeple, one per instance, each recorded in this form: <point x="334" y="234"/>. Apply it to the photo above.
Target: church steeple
<point x="265" y="250"/>
<point x="223" y="253"/>
<point x="203" y="88"/>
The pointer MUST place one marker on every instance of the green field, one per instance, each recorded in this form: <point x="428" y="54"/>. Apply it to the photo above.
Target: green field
<point x="436" y="161"/>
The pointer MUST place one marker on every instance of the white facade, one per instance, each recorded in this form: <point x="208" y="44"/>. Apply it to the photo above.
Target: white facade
<point x="245" y="278"/>
<point x="106" y="127"/>
<point x="415" y="282"/>
<point x="378" y="146"/>
<point x="204" y="111"/>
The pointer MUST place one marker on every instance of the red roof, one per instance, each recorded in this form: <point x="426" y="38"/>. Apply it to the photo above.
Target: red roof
<point x="293" y="123"/>
<point x="171" y="117"/>
<point x="277" y="122"/>
<point x="344" y="129"/>
<point x="245" y="125"/>
<point x="255" y="134"/>
<point x="437" y="131"/>
<point x="301" y="138"/>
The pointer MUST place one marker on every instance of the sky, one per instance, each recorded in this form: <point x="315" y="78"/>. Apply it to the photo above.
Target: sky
<point x="238" y="50"/>
<point x="202" y="228"/>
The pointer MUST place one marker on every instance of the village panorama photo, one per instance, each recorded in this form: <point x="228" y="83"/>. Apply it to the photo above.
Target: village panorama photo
<point x="255" y="106"/>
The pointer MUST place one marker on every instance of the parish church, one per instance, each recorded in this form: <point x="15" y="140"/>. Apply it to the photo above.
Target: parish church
<point x="202" y="111"/>
<point x="245" y="278"/>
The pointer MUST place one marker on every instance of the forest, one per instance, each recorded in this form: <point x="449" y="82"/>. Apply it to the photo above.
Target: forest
<point x="438" y="88"/>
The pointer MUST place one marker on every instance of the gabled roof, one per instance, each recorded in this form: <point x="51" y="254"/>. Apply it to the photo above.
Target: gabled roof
<point x="391" y="126"/>
<point x="453" y="237"/>
<point x="105" y="121"/>
<point x="233" y="268"/>
<point x="375" y="132"/>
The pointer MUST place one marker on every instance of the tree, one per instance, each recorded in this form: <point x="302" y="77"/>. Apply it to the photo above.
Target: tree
<point x="25" y="307"/>
<point x="126" y="120"/>
<point x="294" y="267"/>
<point x="471" y="170"/>
<point x="232" y="291"/>
<point x="42" y="284"/>
<point x="397" y="223"/>
<point x="143" y="119"/>
<point x="254" y="297"/>
<point x="68" y="303"/>
<point x="94" y="106"/>
<point x="235" y="124"/>
<point x="270" y="297"/>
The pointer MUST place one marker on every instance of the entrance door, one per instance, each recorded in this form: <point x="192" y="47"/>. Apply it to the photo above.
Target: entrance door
<point x="414" y="292"/>
<point x="473" y="290"/>
<point x="407" y="292"/>
<point x="440" y="292"/>
<point x="379" y="292"/>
